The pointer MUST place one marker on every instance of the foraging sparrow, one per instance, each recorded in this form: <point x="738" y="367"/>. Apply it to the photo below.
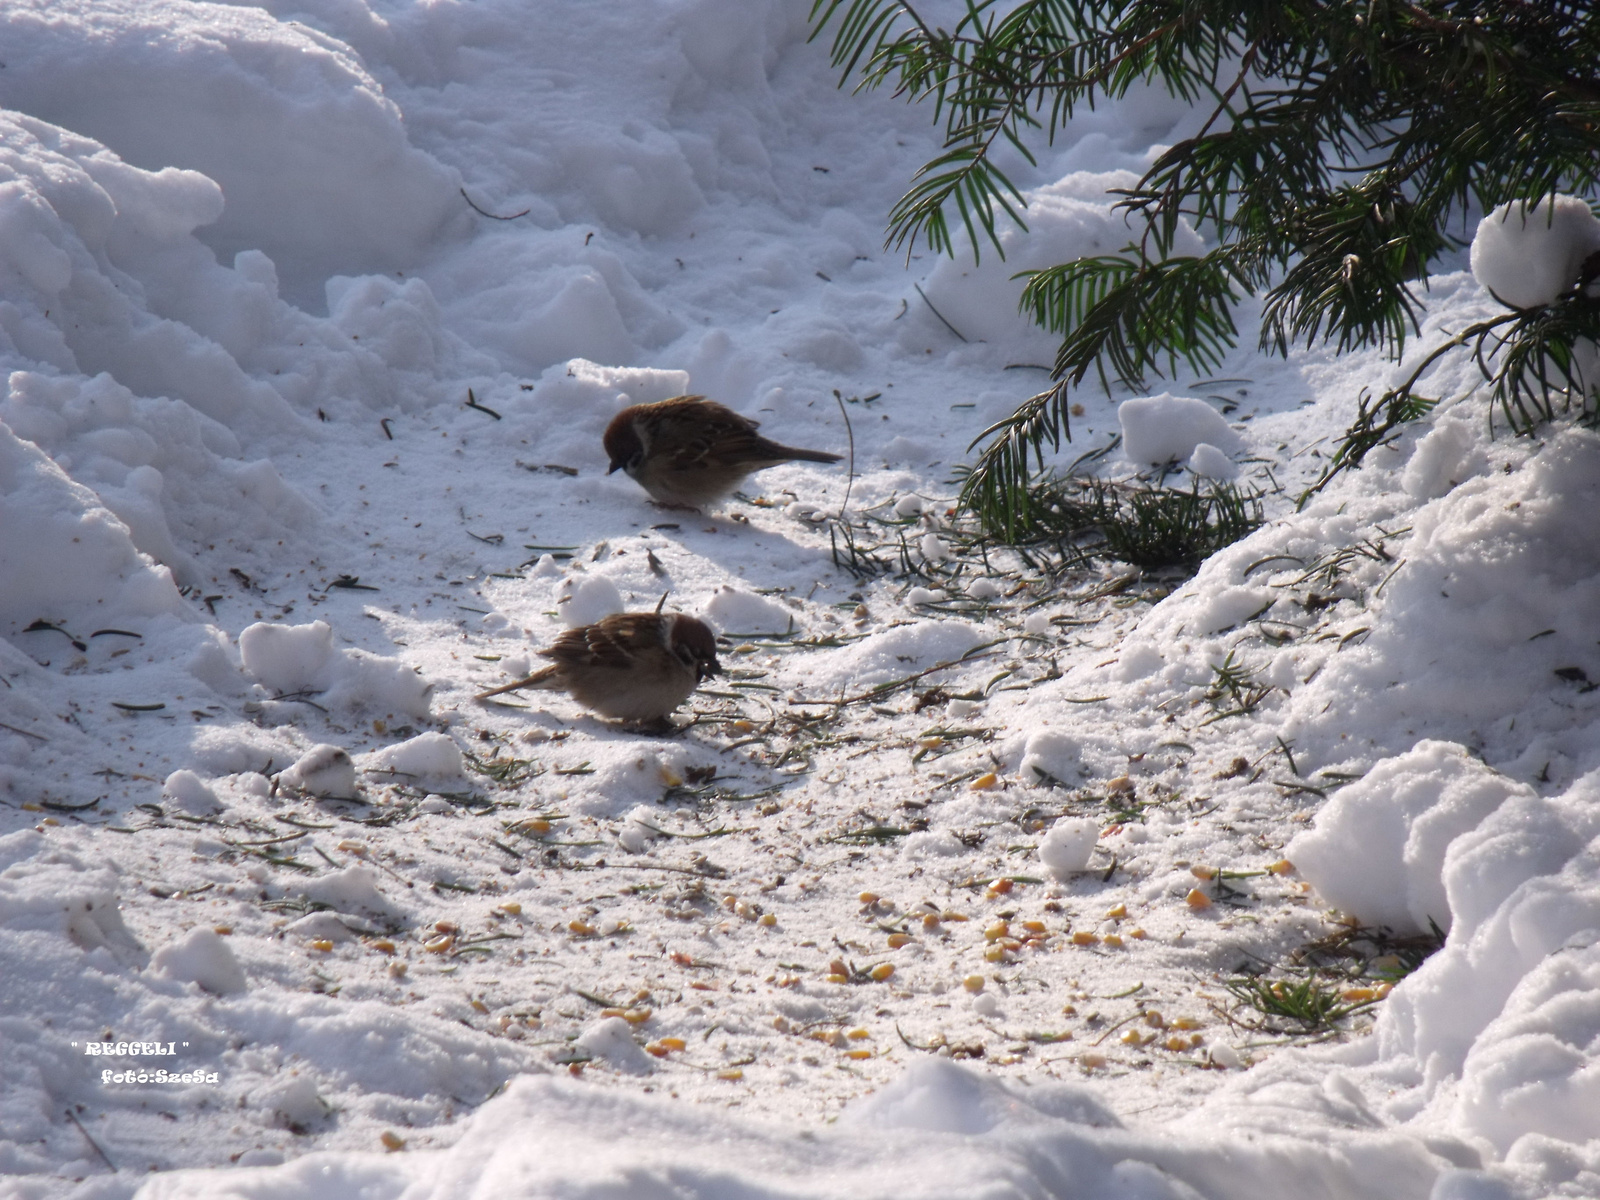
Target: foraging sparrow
<point x="690" y="452"/>
<point x="634" y="667"/>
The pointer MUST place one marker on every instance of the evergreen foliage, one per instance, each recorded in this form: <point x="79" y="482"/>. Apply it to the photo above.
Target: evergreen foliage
<point x="1341" y="144"/>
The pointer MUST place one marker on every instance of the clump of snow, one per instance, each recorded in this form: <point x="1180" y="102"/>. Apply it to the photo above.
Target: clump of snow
<point x="1378" y="848"/>
<point x="734" y="610"/>
<point x="1167" y="428"/>
<point x="296" y="660"/>
<point x="1067" y="219"/>
<point x="611" y="1039"/>
<point x="1050" y="752"/>
<point x="894" y="653"/>
<point x="190" y="793"/>
<point x="1447" y="454"/>
<point x="588" y="598"/>
<point x="352" y="890"/>
<point x="1211" y="463"/>
<point x="325" y="770"/>
<point x="1067" y="847"/>
<point x="427" y="760"/>
<point x="202" y="958"/>
<point x="1529" y="255"/>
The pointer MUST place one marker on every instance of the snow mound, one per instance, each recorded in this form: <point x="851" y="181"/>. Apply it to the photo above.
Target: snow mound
<point x="1069" y="845"/>
<point x="1167" y="428"/>
<point x="894" y="653"/>
<point x="352" y="890"/>
<point x="64" y="557"/>
<point x="1530" y="255"/>
<point x="588" y="599"/>
<point x="302" y="659"/>
<point x="190" y="793"/>
<point x="258" y="105"/>
<point x="324" y="770"/>
<point x="1378" y="848"/>
<point x="732" y="610"/>
<point x="202" y="958"/>
<point x="1068" y="219"/>
<point x="611" y="1039"/>
<point x="429" y="759"/>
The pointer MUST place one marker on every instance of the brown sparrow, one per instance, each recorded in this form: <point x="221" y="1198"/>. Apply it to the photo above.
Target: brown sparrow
<point x="634" y="667"/>
<point x="690" y="452"/>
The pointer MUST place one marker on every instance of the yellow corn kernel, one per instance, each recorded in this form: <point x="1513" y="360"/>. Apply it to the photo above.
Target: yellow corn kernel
<point x="322" y="944"/>
<point x="1114" y="940"/>
<point x="731" y="1074"/>
<point x="984" y="782"/>
<point x="581" y="928"/>
<point x="1185" y="1023"/>
<point x="1000" y="887"/>
<point x="857" y="1035"/>
<point x="672" y="1043"/>
<point x="1203" y="872"/>
<point x="951" y="914"/>
<point x="50" y="821"/>
<point x="511" y="908"/>
<point x="438" y="945"/>
<point x="1197" y="900"/>
<point x="383" y="946"/>
<point x="222" y="930"/>
<point x="1154" y="1019"/>
<point x="767" y="919"/>
<point x="896" y="940"/>
<point x="1082" y="937"/>
<point x="1035" y="926"/>
<point x="30" y="806"/>
<point x="656" y="1048"/>
<point x="973" y="983"/>
<point x="1120" y="784"/>
<point x="1176" y="1043"/>
<point x="636" y="1016"/>
<point x="1282" y="867"/>
<point x="744" y="725"/>
<point x="859" y="1053"/>
<point x="838" y="967"/>
<point x="836" y="978"/>
<point x="1092" y="1061"/>
<point x="1197" y="1039"/>
<point x="479" y="1005"/>
<point x="536" y="826"/>
<point x="868" y="897"/>
<point x="392" y="1141"/>
<point x="930" y="922"/>
<point x="997" y="953"/>
<point x="1116" y="912"/>
<point x="612" y="1011"/>
<point x="1132" y="1037"/>
<point x="996" y="931"/>
<point x="446" y="927"/>
<point x="882" y="971"/>
<point x="1069" y="1010"/>
<point x="1138" y="933"/>
<point x="1358" y="995"/>
<point x="352" y="847"/>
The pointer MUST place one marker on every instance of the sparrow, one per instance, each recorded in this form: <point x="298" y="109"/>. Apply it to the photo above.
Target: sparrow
<point x="690" y="452"/>
<point x="633" y="667"/>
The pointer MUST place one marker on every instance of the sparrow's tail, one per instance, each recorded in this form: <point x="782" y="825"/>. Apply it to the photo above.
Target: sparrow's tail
<point x="537" y="679"/>
<point x="795" y="453"/>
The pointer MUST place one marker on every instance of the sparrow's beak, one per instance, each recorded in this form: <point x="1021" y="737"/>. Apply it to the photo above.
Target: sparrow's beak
<point x="708" y="669"/>
<point x="613" y="468"/>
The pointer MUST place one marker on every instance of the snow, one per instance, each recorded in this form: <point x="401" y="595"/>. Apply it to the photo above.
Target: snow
<point x="1529" y="254"/>
<point x="258" y="553"/>
<point x="1168" y="428"/>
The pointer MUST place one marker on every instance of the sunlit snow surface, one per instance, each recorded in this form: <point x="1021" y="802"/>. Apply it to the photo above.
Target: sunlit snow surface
<point x="258" y="554"/>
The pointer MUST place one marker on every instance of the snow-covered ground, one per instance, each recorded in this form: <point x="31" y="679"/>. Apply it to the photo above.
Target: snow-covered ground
<point x="942" y="890"/>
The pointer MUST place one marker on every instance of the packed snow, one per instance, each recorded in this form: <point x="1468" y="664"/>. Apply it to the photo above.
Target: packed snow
<point x="313" y="314"/>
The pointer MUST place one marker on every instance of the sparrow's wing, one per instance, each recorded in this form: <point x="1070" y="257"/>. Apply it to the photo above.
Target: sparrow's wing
<point x="616" y="642"/>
